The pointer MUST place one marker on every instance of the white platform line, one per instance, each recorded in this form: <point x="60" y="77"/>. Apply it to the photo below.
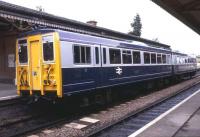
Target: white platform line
<point x="161" y="116"/>
<point x="8" y="97"/>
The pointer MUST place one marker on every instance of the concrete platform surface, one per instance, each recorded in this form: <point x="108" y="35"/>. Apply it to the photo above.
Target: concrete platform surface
<point x="191" y="128"/>
<point x="7" y="90"/>
<point x="182" y="120"/>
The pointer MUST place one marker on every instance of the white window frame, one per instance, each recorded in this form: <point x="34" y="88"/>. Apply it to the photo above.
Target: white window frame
<point x="54" y="52"/>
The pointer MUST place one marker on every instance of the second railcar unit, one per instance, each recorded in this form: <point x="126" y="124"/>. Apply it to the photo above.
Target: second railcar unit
<point x="62" y="63"/>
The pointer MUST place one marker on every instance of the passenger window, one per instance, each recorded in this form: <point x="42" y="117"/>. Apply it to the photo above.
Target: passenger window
<point x="22" y="51"/>
<point x="115" y="56"/>
<point x="97" y="55"/>
<point x="48" y="50"/>
<point x="159" y="58"/>
<point x="104" y="55"/>
<point x="136" y="57"/>
<point x="127" y="57"/>
<point x="153" y="58"/>
<point x="146" y="58"/>
<point x="164" y="60"/>
<point x="185" y="60"/>
<point x="82" y="54"/>
<point x="77" y="54"/>
<point x="168" y="59"/>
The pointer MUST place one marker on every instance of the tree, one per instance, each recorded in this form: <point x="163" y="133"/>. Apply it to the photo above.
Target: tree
<point x="155" y="39"/>
<point x="137" y="26"/>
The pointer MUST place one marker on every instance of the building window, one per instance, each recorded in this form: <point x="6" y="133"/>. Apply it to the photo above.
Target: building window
<point x="146" y="58"/>
<point x="159" y="58"/>
<point x="22" y="51"/>
<point x="136" y="57"/>
<point x="82" y="54"/>
<point x="97" y="55"/>
<point x="164" y="60"/>
<point x="104" y="55"/>
<point x="127" y="57"/>
<point x="115" y="56"/>
<point x="153" y="58"/>
<point x="48" y="50"/>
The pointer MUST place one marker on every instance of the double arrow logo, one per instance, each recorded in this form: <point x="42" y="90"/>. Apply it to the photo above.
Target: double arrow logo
<point x="119" y="70"/>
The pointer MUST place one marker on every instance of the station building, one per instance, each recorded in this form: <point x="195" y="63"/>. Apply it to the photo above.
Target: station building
<point x="16" y="19"/>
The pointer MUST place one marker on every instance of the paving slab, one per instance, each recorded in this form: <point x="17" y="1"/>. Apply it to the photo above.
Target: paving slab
<point x="7" y="90"/>
<point x="191" y="128"/>
<point x="170" y="124"/>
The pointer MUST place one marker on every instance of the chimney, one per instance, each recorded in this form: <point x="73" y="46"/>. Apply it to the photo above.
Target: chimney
<point x="92" y="22"/>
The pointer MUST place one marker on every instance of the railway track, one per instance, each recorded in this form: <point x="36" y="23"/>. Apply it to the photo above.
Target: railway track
<point x="132" y="123"/>
<point x="33" y="120"/>
<point x="11" y="101"/>
<point x="18" y="119"/>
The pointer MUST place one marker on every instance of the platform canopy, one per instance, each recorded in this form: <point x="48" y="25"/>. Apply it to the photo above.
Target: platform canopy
<point x="21" y="18"/>
<point x="187" y="11"/>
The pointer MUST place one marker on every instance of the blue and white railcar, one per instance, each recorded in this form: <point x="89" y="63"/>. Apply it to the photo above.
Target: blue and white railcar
<point x="90" y="62"/>
<point x="183" y="64"/>
<point x="62" y="62"/>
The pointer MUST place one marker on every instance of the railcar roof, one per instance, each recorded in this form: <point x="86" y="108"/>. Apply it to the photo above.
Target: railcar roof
<point x="77" y="37"/>
<point x="65" y="35"/>
<point x="178" y="53"/>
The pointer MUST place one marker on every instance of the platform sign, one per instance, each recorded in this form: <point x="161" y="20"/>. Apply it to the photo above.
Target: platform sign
<point x="11" y="60"/>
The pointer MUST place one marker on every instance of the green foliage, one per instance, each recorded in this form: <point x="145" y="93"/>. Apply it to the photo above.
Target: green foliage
<point x="137" y="26"/>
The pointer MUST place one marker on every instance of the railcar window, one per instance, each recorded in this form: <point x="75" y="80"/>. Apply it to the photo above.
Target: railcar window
<point x="82" y="54"/>
<point x="115" y="56"/>
<point x="159" y="58"/>
<point x="48" y="50"/>
<point x="146" y="58"/>
<point x="136" y="57"/>
<point x="104" y="55"/>
<point x="168" y="59"/>
<point x="83" y="59"/>
<point x="186" y="60"/>
<point x="77" y="54"/>
<point x="189" y="61"/>
<point x="153" y="58"/>
<point x="178" y="60"/>
<point x="22" y="51"/>
<point x="127" y="57"/>
<point x="164" y="60"/>
<point x="97" y="55"/>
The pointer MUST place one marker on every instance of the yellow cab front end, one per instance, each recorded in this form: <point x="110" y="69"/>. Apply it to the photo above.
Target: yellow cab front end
<point x="38" y="65"/>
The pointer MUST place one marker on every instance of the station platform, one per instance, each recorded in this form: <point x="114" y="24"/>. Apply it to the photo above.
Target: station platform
<point x="7" y="91"/>
<point x="183" y="120"/>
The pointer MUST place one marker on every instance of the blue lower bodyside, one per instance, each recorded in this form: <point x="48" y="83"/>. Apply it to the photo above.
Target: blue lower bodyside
<point x="80" y="79"/>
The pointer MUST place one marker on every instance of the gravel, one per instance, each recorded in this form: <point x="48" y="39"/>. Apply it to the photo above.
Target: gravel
<point x="117" y="112"/>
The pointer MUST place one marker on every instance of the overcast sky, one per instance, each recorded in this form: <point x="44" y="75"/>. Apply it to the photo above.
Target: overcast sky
<point x="118" y="14"/>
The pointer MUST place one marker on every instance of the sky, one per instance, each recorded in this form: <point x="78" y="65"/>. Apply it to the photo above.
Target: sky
<point x="118" y="15"/>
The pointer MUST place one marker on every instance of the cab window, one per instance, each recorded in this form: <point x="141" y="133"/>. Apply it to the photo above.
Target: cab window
<point x="22" y="51"/>
<point x="48" y="50"/>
